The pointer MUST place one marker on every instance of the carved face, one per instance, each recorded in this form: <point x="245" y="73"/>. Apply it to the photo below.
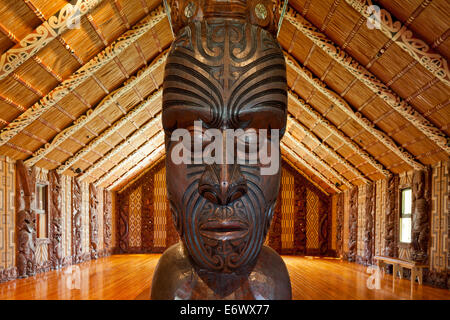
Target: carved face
<point x="418" y="184"/>
<point x="228" y="75"/>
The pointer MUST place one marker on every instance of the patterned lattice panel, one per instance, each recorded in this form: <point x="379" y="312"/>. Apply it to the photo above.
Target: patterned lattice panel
<point x="312" y="220"/>
<point x="287" y="209"/>
<point x="134" y="222"/>
<point x="439" y="218"/>
<point x="10" y="183"/>
<point x="346" y="217"/>
<point x="67" y="214"/>
<point x="361" y="218"/>
<point x="160" y="206"/>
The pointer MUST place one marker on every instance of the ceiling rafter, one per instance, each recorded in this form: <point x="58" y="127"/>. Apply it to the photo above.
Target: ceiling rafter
<point x="370" y="81"/>
<point x="292" y="153"/>
<point x="294" y="122"/>
<point x="317" y="159"/>
<point x="42" y="17"/>
<point x="399" y="33"/>
<point x="338" y="133"/>
<point x="152" y="158"/>
<point x="92" y="113"/>
<point x="81" y="75"/>
<point x="121" y="146"/>
<point x="152" y="143"/>
<point x="356" y="116"/>
<point x="43" y="35"/>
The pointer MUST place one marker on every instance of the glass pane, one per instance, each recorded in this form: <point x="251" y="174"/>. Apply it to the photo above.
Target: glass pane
<point x="406" y="201"/>
<point x="405" y="230"/>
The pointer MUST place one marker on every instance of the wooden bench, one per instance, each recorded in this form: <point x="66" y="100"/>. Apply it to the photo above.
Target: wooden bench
<point x="399" y="264"/>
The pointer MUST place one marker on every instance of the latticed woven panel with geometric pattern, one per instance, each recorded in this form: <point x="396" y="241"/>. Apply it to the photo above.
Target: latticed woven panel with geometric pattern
<point x="312" y="220"/>
<point x="134" y="222"/>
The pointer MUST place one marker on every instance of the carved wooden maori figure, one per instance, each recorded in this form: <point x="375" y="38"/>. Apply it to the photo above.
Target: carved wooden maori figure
<point x="225" y="71"/>
<point x="25" y="222"/>
<point x="340" y="225"/>
<point x="389" y="236"/>
<point x="56" y="251"/>
<point x="353" y="225"/>
<point x="107" y="220"/>
<point x="420" y="219"/>
<point x="93" y="221"/>
<point x="77" y="249"/>
<point x="369" y="231"/>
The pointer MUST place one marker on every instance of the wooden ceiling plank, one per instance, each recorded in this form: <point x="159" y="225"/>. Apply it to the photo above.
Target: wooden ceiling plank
<point x="47" y="68"/>
<point x="328" y="149"/>
<point x="42" y="35"/>
<point x="319" y="160"/>
<point x="8" y="34"/>
<point x="356" y="116"/>
<point x="437" y="108"/>
<point x="12" y="103"/>
<point x="97" y="30"/>
<point x="111" y="130"/>
<point x="27" y="85"/>
<point x="338" y="133"/>
<point x="330" y="15"/>
<point x="373" y="83"/>
<point x="145" y="6"/>
<point x="292" y="153"/>
<point x="82" y="74"/>
<point x="154" y="142"/>
<point x="122" y="16"/>
<point x="406" y="39"/>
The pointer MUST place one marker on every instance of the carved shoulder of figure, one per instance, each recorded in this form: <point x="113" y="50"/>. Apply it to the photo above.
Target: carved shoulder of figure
<point x="172" y="268"/>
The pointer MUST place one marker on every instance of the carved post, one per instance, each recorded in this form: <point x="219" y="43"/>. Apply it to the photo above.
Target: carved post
<point x="123" y="222"/>
<point x="323" y="226"/>
<point x="340" y="225"/>
<point x="300" y="217"/>
<point x="77" y="226"/>
<point x="420" y="218"/>
<point x="56" y="252"/>
<point x="353" y="225"/>
<point x="25" y="221"/>
<point x="369" y="231"/>
<point x="93" y="221"/>
<point x="275" y="235"/>
<point x="391" y="208"/>
<point x="107" y="221"/>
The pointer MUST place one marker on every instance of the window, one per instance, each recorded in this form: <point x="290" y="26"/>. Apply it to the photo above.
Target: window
<point x="41" y="211"/>
<point x="405" y="218"/>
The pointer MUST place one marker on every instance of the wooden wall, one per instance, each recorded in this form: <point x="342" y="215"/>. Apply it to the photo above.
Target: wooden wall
<point x="301" y="223"/>
<point x="7" y="220"/>
<point x="43" y="253"/>
<point x="380" y="205"/>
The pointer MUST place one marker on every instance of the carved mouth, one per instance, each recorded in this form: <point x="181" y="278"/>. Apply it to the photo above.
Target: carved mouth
<point x="224" y="230"/>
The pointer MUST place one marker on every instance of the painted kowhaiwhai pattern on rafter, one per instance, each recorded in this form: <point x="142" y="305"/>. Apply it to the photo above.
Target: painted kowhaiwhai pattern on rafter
<point x="404" y="38"/>
<point x="43" y="35"/>
<point x="80" y="76"/>
<point x="356" y="116"/>
<point x="373" y="83"/>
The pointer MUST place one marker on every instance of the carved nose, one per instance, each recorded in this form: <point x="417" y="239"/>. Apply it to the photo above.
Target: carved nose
<point x="222" y="184"/>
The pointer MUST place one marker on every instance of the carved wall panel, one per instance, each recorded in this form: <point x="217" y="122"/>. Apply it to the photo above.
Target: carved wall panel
<point x="77" y="224"/>
<point x="300" y="218"/>
<point x="391" y="217"/>
<point x="26" y="221"/>
<point x="107" y="220"/>
<point x="56" y="221"/>
<point x="353" y="225"/>
<point x="340" y="225"/>
<point x="369" y="227"/>
<point x="93" y="222"/>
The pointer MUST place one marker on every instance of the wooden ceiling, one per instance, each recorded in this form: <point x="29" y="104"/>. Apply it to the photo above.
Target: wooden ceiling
<point x="363" y="103"/>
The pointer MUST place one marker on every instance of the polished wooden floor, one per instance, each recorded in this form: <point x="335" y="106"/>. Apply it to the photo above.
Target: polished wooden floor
<point x="129" y="277"/>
